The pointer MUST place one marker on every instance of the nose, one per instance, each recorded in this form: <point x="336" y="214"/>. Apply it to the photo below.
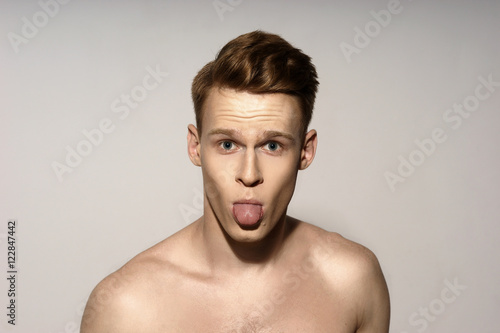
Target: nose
<point x="249" y="172"/>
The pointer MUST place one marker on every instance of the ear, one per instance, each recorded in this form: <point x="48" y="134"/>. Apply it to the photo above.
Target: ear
<point x="193" y="141"/>
<point x="308" y="149"/>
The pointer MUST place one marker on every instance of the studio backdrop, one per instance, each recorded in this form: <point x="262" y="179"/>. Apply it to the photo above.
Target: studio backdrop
<point x="95" y="103"/>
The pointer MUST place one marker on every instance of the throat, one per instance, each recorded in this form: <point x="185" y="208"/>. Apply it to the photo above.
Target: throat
<point x="221" y="250"/>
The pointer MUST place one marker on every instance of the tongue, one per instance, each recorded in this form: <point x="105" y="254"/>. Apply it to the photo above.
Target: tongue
<point x="247" y="214"/>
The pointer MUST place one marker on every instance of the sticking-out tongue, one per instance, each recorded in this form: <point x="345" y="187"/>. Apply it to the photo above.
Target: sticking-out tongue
<point x="247" y="214"/>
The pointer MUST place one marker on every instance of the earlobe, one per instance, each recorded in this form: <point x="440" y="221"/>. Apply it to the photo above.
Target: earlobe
<point x="308" y="149"/>
<point x="193" y="141"/>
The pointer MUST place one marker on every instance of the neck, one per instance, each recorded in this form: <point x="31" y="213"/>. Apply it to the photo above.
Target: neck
<point x="263" y="251"/>
<point x="223" y="252"/>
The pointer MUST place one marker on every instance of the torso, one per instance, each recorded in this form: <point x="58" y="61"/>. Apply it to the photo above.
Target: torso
<point x="304" y="292"/>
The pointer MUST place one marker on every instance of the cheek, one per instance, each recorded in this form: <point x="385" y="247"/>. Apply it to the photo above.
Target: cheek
<point x="281" y="177"/>
<point x="217" y="176"/>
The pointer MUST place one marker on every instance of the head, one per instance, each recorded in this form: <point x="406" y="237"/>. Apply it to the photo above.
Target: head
<point x="253" y="105"/>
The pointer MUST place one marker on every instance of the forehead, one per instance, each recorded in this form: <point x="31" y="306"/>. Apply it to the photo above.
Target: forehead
<point x="227" y="108"/>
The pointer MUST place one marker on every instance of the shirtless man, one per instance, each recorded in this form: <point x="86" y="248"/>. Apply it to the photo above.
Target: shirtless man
<point x="245" y="266"/>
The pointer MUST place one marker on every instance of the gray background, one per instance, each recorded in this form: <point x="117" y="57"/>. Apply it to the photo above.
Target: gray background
<point x="138" y="186"/>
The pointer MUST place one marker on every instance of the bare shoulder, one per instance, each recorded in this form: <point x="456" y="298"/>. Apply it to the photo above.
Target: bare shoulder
<point x="351" y="271"/>
<point x="111" y="304"/>
<point x="339" y="254"/>
<point x="122" y="302"/>
<point x="347" y="256"/>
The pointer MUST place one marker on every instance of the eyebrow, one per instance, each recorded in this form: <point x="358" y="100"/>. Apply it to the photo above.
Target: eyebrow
<point x="267" y="133"/>
<point x="225" y="131"/>
<point x="273" y="134"/>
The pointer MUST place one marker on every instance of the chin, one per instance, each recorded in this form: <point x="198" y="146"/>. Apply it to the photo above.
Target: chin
<point x="245" y="235"/>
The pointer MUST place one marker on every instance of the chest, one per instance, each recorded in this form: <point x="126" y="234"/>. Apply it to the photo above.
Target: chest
<point x="299" y="305"/>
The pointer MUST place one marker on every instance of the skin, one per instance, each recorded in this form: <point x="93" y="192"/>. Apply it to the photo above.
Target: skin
<point x="282" y="275"/>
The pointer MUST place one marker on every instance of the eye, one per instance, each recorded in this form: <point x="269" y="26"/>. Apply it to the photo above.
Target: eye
<point x="227" y="145"/>
<point x="273" y="146"/>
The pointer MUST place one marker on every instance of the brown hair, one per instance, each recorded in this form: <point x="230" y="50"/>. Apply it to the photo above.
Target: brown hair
<point x="259" y="63"/>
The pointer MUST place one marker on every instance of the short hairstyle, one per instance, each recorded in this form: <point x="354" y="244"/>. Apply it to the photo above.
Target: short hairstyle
<point x="261" y="63"/>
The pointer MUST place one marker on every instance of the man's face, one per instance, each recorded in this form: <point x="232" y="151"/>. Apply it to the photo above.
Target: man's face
<point x="250" y="151"/>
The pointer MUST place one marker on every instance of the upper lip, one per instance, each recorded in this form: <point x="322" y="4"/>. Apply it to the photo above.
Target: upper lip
<point x="248" y="202"/>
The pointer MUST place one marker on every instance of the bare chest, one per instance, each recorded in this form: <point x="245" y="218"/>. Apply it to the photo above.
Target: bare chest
<point x="292" y="305"/>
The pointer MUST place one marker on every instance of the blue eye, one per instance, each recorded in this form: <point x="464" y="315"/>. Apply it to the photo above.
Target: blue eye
<point x="227" y="145"/>
<point x="273" y="146"/>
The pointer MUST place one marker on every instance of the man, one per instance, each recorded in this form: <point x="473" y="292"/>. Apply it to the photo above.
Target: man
<point x="245" y="266"/>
